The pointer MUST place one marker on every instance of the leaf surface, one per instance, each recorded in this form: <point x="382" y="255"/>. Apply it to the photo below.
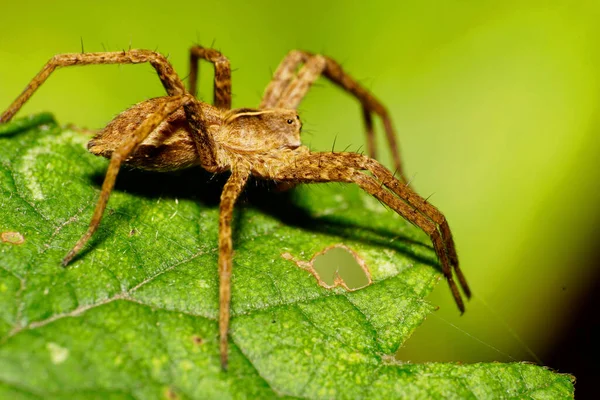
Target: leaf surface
<point x="134" y="316"/>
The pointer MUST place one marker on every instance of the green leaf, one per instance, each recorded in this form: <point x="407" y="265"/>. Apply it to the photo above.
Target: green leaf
<point x="135" y="315"/>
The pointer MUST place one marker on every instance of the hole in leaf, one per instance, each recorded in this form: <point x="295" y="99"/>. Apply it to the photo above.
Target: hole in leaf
<point x="337" y="265"/>
<point x="339" y="262"/>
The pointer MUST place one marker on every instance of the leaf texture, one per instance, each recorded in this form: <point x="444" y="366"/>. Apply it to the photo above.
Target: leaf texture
<point x="135" y="315"/>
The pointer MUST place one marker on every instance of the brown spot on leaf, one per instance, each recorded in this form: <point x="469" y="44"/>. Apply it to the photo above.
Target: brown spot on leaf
<point x="12" y="238"/>
<point x="170" y="394"/>
<point x="337" y="278"/>
<point x="132" y="232"/>
<point x="197" y="340"/>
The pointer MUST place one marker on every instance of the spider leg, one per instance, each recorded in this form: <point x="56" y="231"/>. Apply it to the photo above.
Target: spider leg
<point x="170" y="105"/>
<point x="348" y="167"/>
<point x="430" y="211"/>
<point x="166" y="73"/>
<point x="286" y="90"/>
<point x="232" y="189"/>
<point x="283" y="76"/>
<point x="222" y="85"/>
<point x="373" y="187"/>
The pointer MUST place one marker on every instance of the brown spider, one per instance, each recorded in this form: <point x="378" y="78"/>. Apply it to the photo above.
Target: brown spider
<point x="179" y="131"/>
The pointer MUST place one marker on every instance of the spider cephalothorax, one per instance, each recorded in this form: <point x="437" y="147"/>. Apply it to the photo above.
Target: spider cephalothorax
<point x="179" y="131"/>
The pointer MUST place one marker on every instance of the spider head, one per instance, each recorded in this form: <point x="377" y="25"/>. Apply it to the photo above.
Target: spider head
<point x="257" y="130"/>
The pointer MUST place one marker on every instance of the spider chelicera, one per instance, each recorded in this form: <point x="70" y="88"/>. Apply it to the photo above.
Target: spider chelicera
<point x="179" y="131"/>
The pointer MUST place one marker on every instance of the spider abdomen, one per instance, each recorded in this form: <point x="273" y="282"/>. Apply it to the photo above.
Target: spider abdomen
<point x="168" y="147"/>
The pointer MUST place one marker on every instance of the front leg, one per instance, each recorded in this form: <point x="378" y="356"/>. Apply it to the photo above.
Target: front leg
<point x="166" y="73"/>
<point x="381" y="184"/>
<point x="288" y="88"/>
<point x="231" y="191"/>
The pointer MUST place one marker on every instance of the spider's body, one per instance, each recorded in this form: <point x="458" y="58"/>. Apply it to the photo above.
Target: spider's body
<point x="256" y="138"/>
<point x="178" y="131"/>
<point x="169" y="147"/>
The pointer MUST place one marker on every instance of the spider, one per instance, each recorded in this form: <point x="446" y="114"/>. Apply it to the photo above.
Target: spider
<point x="178" y="131"/>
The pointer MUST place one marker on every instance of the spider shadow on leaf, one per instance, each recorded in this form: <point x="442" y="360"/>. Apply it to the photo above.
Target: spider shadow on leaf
<point x="285" y="207"/>
<point x="205" y="188"/>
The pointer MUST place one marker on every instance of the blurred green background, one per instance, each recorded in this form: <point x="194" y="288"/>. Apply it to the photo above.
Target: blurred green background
<point x="495" y="104"/>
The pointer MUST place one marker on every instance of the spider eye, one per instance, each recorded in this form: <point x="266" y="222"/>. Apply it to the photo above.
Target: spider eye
<point x="290" y="121"/>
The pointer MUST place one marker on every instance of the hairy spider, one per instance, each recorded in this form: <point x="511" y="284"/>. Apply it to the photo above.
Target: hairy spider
<point x="179" y="131"/>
